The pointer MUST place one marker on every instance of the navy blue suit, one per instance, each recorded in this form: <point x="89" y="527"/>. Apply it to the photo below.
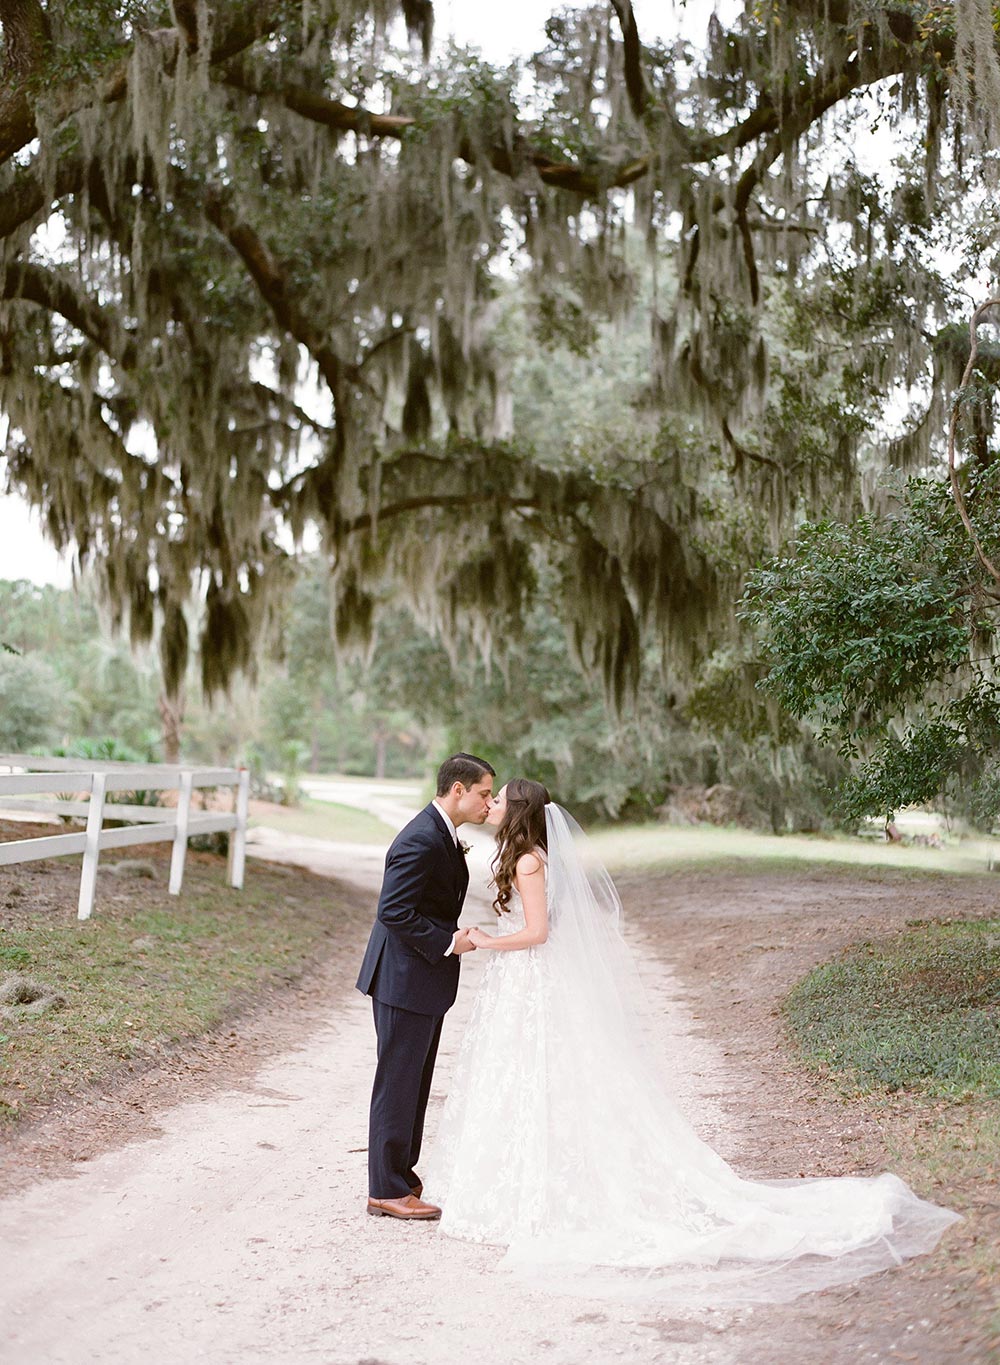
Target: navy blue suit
<point x="412" y="984"/>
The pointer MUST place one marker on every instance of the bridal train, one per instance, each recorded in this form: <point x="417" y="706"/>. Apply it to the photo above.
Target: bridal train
<point x="561" y="1143"/>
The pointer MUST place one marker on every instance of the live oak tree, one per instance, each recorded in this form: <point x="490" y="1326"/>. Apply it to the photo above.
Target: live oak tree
<point x="252" y="259"/>
<point x="885" y="631"/>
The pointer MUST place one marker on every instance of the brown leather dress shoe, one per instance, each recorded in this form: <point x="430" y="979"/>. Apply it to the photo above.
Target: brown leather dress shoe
<point x="417" y="1189"/>
<point x="409" y="1207"/>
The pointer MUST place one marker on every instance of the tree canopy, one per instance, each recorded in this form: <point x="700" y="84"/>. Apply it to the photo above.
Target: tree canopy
<point x="254" y="264"/>
<point x="886" y="631"/>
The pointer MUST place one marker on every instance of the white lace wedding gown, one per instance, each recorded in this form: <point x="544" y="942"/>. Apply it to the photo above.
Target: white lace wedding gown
<point x="560" y="1142"/>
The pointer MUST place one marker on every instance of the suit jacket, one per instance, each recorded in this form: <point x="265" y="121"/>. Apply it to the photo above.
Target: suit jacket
<point x="423" y="888"/>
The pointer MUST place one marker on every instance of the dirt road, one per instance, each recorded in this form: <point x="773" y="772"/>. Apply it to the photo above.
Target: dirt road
<point x="237" y="1234"/>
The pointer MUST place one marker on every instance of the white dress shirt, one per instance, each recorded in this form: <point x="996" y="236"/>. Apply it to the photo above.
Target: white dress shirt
<point x="447" y="820"/>
<point x="454" y="834"/>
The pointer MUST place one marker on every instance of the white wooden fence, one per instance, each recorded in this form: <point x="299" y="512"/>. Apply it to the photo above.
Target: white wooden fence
<point x="95" y="780"/>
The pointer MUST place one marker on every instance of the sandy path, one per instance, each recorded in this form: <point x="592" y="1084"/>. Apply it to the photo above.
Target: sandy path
<point x="394" y="803"/>
<point x="239" y="1234"/>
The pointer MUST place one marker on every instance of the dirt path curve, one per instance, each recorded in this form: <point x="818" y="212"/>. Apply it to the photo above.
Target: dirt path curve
<point x="238" y="1234"/>
<point x="394" y="803"/>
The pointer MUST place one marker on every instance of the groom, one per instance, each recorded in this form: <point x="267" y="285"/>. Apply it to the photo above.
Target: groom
<point x="410" y="970"/>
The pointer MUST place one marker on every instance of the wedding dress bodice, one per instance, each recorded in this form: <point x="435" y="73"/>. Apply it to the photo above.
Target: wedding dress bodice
<point x="511" y="921"/>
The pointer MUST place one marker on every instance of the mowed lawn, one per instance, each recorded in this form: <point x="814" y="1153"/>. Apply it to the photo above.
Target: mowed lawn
<point x="149" y="970"/>
<point x="323" y="820"/>
<point x="659" y="847"/>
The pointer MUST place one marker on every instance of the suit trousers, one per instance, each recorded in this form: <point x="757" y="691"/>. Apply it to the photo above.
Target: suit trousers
<point x="407" y="1048"/>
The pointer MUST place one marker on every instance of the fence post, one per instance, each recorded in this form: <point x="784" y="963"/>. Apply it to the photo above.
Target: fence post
<point x="185" y="787"/>
<point x="238" y="840"/>
<point x="92" y="847"/>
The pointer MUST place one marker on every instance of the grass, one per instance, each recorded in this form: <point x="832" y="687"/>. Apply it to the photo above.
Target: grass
<point x="910" y="1024"/>
<point x="919" y="1011"/>
<point x="656" y="847"/>
<point x="149" y="969"/>
<point x="403" y="784"/>
<point x="326" y="820"/>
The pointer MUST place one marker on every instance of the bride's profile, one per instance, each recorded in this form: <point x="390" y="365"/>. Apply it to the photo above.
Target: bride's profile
<point x="560" y="1140"/>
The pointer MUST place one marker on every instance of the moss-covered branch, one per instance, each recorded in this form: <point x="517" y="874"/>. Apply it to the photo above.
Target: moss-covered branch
<point x="58" y="293"/>
<point x="236" y="26"/>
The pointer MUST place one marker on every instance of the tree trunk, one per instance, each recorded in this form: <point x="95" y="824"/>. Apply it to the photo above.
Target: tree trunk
<point x="381" y="740"/>
<point x="317" y="715"/>
<point x="172" y="721"/>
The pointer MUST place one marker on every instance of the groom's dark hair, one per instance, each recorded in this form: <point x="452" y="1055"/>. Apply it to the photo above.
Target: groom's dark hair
<point x="464" y="768"/>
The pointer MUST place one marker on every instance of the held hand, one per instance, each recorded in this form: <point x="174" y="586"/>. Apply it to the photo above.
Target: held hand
<point x="479" y="939"/>
<point x="463" y="943"/>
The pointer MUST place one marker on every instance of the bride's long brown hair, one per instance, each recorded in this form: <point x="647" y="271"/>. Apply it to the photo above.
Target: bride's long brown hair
<point x="521" y="831"/>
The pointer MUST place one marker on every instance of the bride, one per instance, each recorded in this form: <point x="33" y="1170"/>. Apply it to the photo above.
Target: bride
<point x="560" y="1141"/>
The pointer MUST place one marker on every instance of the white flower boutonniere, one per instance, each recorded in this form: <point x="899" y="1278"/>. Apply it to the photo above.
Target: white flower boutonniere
<point x="466" y="848"/>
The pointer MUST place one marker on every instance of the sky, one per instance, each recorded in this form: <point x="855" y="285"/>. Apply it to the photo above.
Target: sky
<point x="24" y="551"/>
<point x="517" y="26"/>
<point x="501" y="31"/>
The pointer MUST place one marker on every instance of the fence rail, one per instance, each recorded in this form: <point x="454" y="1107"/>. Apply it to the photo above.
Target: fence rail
<point x="71" y="779"/>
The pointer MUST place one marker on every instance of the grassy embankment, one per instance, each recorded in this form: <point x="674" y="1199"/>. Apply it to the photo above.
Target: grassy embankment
<point x="917" y="1010"/>
<point x="150" y="970"/>
<point x="661" y="847"/>
<point x="911" y="1023"/>
<point x="323" y="820"/>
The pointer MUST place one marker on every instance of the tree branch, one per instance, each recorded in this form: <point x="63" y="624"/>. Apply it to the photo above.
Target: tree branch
<point x="248" y="22"/>
<point x="366" y="521"/>
<point x="29" y="195"/>
<point x="25" y="43"/>
<point x="273" y="286"/>
<point x="56" y="292"/>
<point x="634" y="82"/>
<point x="509" y="161"/>
<point x="877" y="56"/>
<point x="321" y="108"/>
<point x="956" y="485"/>
<point x="742" y="452"/>
<point x="382" y="342"/>
<point x="289" y="407"/>
<point x="25" y="38"/>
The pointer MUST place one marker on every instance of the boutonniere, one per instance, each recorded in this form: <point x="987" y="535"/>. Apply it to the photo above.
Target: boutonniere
<point x="466" y="848"/>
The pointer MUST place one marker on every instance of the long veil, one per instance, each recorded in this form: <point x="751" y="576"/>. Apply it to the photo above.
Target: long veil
<point x="627" y="1199"/>
<point x="585" y="921"/>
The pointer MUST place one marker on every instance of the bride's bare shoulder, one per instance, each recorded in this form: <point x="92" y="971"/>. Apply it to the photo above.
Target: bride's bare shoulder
<point x="527" y="864"/>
